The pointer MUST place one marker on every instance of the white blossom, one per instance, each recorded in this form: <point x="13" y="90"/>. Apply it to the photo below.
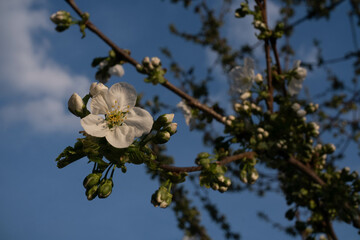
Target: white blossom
<point x="242" y="77"/>
<point x="296" y="81"/>
<point x="187" y="114"/>
<point x="122" y="122"/>
<point x="116" y="70"/>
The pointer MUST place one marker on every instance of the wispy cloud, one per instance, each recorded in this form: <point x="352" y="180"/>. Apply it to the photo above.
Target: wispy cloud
<point x="38" y="84"/>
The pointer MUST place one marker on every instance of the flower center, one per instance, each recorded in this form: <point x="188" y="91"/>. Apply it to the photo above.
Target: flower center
<point x="116" y="116"/>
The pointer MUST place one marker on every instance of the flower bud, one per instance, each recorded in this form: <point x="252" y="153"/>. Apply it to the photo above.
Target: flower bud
<point x="96" y="88"/>
<point x="146" y="61"/>
<point x="223" y="189"/>
<point x="254" y="176"/>
<point x="162" y="137"/>
<point x="91" y="180"/>
<point x="105" y="188"/>
<point x="61" y="17"/>
<point x="259" y="78"/>
<point x="76" y="104"/>
<point x="91" y="193"/>
<point x="296" y="107"/>
<point x="117" y="70"/>
<point x="301" y="113"/>
<point x="245" y="95"/>
<point x="163" y="120"/>
<point x="243" y="176"/>
<point x="171" y="128"/>
<point x="155" y="61"/>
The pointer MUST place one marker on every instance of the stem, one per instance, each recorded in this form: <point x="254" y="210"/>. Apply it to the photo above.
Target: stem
<point x="191" y="101"/>
<point x="270" y="100"/>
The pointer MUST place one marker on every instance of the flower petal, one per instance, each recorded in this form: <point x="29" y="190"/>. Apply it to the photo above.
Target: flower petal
<point x="99" y="103"/>
<point x="140" y="120"/>
<point x="121" y="136"/>
<point x="94" y="125"/>
<point x="124" y="94"/>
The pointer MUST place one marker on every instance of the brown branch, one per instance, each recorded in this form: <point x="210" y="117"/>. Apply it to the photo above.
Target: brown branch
<point x="307" y="170"/>
<point x="270" y="100"/>
<point x="223" y="161"/>
<point x="190" y="100"/>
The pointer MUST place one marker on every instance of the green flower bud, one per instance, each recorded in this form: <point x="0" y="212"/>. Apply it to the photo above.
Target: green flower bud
<point x="171" y="128"/>
<point x="91" y="193"/>
<point x="91" y="180"/>
<point x="163" y="121"/>
<point x="61" y="17"/>
<point x="105" y="188"/>
<point x="162" y="137"/>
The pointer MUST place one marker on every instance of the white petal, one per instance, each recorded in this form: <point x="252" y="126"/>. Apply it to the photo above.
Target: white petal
<point x="249" y="63"/>
<point x="140" y="119"/>
<point x="94" y="125"/>
<point x="124" y="93"/>
<point x="99" y="104"/>
<point x="117" y="70"/>
<point x="121" y="137"/>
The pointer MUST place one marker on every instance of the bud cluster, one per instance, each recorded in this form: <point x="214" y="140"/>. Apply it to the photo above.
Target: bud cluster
<point x="247" y="107"/>
<point x="94" y="187"/>
<point x="165" y="128"/>
<point x="152" y="67"/>
<point x="212" y="174"/>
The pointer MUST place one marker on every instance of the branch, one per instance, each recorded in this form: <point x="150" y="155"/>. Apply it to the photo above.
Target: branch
<point x="223" y="161"/>
<point x="307" y="170"/>
<point x="190" y="100"/>
<point x="270" y="100"/>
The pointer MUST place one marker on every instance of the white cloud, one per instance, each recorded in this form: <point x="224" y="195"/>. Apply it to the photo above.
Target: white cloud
<point x="39" y="84"/>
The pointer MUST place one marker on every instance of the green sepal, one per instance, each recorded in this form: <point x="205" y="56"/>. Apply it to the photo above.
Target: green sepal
<point x="69" y="155"/>
<point x="97" y="61"/>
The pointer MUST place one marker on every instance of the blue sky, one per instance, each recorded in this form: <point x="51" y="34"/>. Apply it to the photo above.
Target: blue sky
<point x="41" y="68"/>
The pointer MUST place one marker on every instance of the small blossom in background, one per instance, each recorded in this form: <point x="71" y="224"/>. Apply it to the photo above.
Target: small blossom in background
<point x="187" y="114"/>
<point x="123" y="121"/>
<point x="296" y="81"/>
<point x="242" y="77"/>
<point x="116" y="70"/>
